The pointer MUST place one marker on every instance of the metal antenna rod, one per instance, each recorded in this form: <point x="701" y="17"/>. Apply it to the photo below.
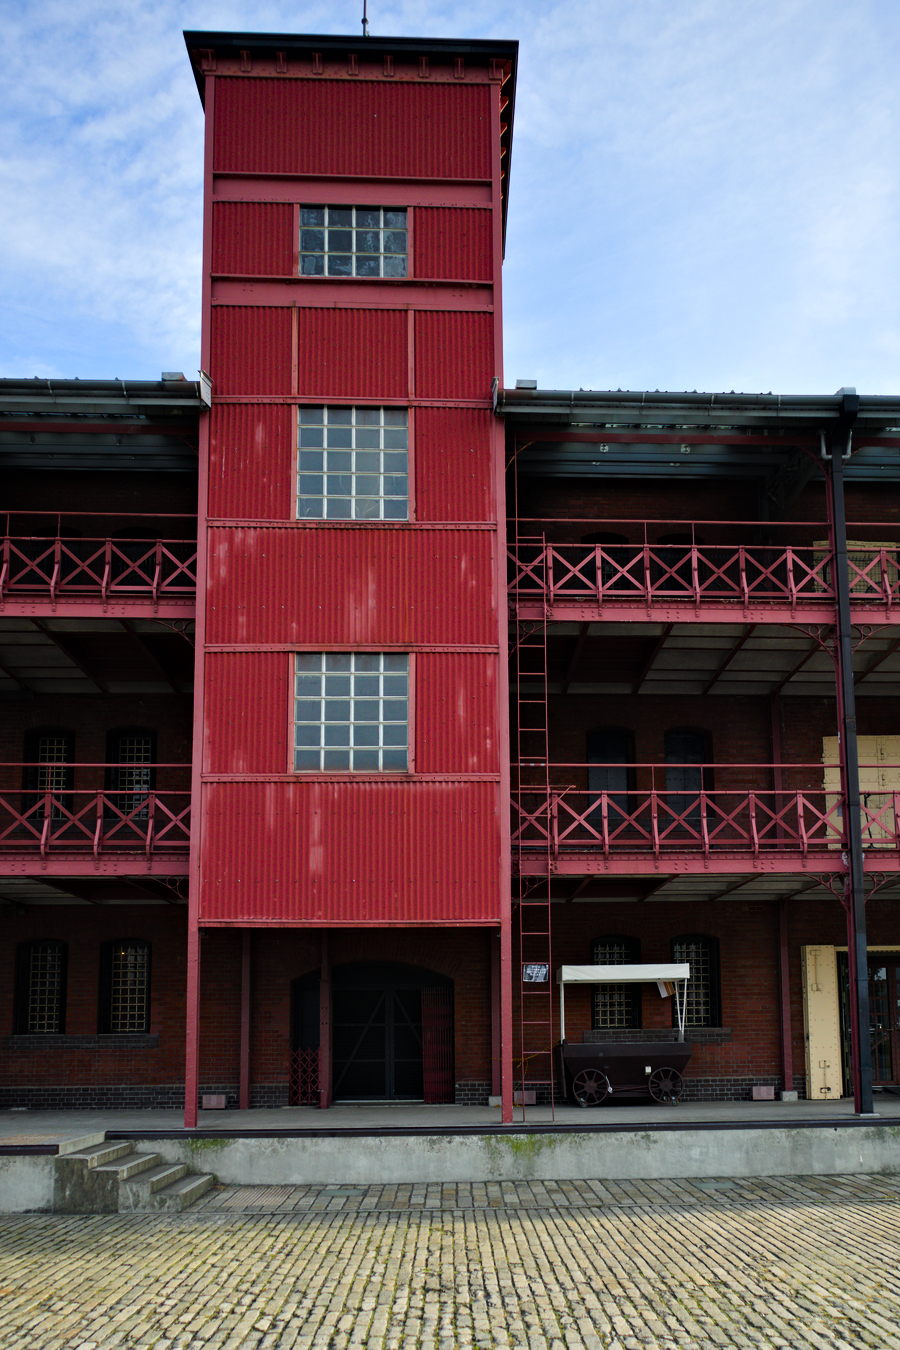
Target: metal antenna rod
<point x="365" y="19"/>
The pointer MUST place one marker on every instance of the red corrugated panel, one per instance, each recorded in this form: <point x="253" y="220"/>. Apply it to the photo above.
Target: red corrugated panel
<point x="370" y="129"/>
<point x="456" y="712"/>
<point x="353" y="353"/>
<point x="251" y="459"/>
<point x="454" y="355"/>
<point x="351" y="586"/>
<point x="454" y="464"/>
<point x="453" y="243"/>
<point x="251" y="350"/>
<point x="253" y="238"/>
<point x="350" y="852"/>
<point x="246" y="712"/>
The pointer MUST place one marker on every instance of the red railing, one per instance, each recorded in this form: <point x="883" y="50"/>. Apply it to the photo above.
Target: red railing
<point x="49" y="559"/>
<point x="649" y="569"/>
<point x="37" y="819"/>
<point x="697" y="820"/>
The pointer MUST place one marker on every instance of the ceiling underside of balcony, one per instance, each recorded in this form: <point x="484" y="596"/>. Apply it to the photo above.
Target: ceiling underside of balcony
<point x="64" y="656"/>
<point x="24" y="892"/>
<point x="741" y="659"/>
<point x="746" y="887"/>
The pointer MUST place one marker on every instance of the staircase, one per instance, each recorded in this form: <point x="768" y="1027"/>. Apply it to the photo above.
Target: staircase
<point x="112" y="1178"/>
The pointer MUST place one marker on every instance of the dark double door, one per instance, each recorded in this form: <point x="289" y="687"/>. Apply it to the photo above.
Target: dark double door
<point x="884" y="1015"/>
<point x="391" y="1032"/>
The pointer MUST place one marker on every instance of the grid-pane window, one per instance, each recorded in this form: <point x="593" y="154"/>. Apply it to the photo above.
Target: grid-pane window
<point x="41" y="987"/>
<point x="353" y="241"/>
<point x="616" y="1005"/>
<point x="353" y="464"/>
<point x="702" y="955"/>
<point x="49" y="754"/>
<point x="126" y="993"/>
<point x="131" y="774"/>
<point x="351" y="711"/>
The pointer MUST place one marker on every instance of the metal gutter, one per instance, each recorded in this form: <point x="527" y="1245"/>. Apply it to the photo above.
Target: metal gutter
<point x="104" y="398"/>
<point x="646" y="408"/>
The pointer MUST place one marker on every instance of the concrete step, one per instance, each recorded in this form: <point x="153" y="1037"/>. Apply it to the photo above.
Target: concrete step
<point x="84" y="1141"/>
<point x="181" y="1194"/>
<point x="98" y="1155"/>
<point x="131" y="1164"/>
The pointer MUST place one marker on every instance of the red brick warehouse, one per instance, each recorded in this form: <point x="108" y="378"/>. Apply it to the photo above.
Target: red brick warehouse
<point x="280" y="819"/>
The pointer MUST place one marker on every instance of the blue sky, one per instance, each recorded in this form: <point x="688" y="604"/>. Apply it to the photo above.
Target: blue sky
<point x="705" y="193"/>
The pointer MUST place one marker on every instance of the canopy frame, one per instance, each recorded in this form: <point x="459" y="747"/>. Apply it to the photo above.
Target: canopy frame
<point x="669" y="978"/>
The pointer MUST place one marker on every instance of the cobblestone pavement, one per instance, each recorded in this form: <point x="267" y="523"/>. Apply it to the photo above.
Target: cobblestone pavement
<point x="627" y="1265"/>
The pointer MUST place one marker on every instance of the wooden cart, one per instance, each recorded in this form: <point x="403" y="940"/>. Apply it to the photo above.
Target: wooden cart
<point x="600" y="1067"/>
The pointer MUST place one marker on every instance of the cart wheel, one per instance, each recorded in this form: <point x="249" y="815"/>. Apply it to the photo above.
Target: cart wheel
<point x="666" y="1085"/>
<point x="590" y="1087"/>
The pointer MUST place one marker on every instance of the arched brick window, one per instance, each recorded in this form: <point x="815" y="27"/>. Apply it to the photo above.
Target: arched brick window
<point x="616" y="1005"/>
<point x="125" y="986"/>
<point x="704" y="1005"/>
<point x="40" y="987"/>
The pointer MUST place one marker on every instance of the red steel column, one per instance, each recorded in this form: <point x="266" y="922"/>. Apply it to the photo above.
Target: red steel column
<point x="192" y="1007"/>
<point x="325" y="1023"/>
<point x="246" y="955"/>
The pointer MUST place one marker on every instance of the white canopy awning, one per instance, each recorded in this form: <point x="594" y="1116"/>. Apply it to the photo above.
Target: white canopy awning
<point x="667" y="977"/>
<point x="622" y="974"/>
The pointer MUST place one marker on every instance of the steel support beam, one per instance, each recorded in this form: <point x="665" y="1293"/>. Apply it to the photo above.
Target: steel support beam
<point x="838" y="445"/>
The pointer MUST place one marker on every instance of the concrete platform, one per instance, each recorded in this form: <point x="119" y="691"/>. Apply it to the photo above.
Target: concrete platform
<point x="444" y="1144"/>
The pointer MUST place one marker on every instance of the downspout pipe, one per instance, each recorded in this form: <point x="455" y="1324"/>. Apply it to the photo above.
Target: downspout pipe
<point x="836" y="448"/>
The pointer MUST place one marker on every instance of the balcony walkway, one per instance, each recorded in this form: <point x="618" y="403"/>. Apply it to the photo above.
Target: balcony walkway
<point x="80" y="831"/>
<point x="85" y="576"/>
<point x="754" y="583"/>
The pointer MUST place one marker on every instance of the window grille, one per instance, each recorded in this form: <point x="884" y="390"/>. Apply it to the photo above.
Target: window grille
<point x="132" y="772"/>
<point x="353" y="241"/>
<point x="616" y="1005"/>
<point x="127" y="987"/>
<point x="42" y="987"/>
<point x="351" y="711"/>
<point x="50" y="772"/>
<point x="702" y="995"/>
<point x="353" y="464"/>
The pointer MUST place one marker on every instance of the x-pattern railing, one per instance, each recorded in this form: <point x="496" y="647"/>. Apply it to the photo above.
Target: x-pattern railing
<point x="77" y="821"/>
<point x="703" y="821"/>
<point x="109" y="567"/>
<point x="769" y="574"/>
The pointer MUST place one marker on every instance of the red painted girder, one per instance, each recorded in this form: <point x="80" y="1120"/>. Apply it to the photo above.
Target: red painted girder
<point x="577" y="865"/>
<point x="419" y="293"/>
<point x="174" y="864"/>
<point x="706" y="612"/>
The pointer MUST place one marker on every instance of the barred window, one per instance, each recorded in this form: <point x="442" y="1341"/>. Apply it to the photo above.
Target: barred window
<point x="49" y="771"/>
<point x="353" y="464"/>
<point x="41" y="987"/>
<point x="616" y="1005"/>
<point x="351" y="711"/>
<point x="125" y="986"/>
<point x="353" y="241"/>
<point x="703" y="999"/>
<point x="131" y="753"/>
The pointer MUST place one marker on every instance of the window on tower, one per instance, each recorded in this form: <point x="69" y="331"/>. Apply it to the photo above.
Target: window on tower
<point x="353" y="241"/>
<point x="353" y="464"/>
<point x="351" y="711"/>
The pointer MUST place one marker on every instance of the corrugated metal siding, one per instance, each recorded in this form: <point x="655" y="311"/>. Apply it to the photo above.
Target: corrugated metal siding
<point x="453" y="243"/>
<point x="454" y="355"/>
<point x="353" y="353"/>
<point x="246" y="712"/>
<point x="251" y="350"/>
<point x="350" y="852"/>
<point x="253" y="238"/>
<point x="377" y="130"/>
<point x="454" y="464"/>
<point x="350" y="586"/>
<point x="456" y="712"/>
<point x="251" y="460"/>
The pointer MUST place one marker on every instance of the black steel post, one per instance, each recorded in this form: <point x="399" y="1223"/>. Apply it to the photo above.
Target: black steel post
<point x="857" y="942"/>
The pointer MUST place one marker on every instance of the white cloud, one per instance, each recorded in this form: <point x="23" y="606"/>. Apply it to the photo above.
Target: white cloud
<point x="704" y="194"/>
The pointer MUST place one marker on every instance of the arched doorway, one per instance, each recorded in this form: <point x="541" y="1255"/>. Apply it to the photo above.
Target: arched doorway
<point x="391" y="1031"/>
